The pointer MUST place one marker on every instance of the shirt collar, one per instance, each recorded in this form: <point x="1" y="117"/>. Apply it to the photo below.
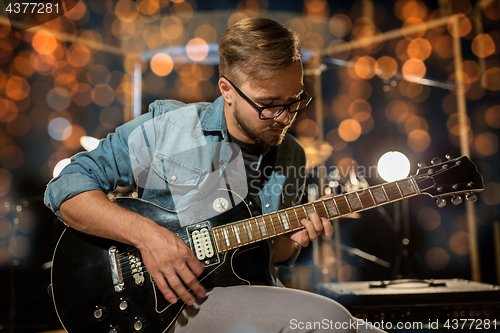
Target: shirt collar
<point x="213" y="118"/>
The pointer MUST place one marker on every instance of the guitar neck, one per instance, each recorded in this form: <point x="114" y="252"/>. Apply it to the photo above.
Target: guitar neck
<point x="254" y="229"/>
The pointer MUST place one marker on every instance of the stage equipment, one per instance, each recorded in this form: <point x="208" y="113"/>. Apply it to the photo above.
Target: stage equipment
<point x="431" y="302"/>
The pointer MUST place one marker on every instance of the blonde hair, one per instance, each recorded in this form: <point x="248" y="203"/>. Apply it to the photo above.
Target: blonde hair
<point x="257" y="48"/>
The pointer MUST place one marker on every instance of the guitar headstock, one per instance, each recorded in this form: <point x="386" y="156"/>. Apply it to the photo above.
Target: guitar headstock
<point x="450" y="178"/>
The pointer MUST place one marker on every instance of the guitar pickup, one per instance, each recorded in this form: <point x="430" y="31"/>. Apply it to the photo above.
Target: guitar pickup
<point x="202" y="243"/>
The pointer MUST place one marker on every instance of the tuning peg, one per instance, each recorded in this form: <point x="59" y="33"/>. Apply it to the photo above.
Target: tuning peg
<point x="421" y="164"/>
<point x="456" y="200"/>
<point x="471" y="197"/>
<point x="441" y="202"/>
<point x="435" y="160"/>
<point x="448" y="157"/>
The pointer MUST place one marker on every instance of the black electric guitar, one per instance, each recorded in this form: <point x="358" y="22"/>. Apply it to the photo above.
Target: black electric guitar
<point x="99" y="285"/>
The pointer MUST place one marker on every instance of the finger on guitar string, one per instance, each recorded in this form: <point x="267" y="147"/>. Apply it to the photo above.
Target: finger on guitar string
<point x="180" y="274"/>
<point x="313" y="225"/>
<point x="327" y="227"/>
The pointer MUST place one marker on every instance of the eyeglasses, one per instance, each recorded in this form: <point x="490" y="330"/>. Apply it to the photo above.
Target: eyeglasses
<point x="273" y="111"/>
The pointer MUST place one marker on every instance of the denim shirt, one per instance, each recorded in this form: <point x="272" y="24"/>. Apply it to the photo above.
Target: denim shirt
<point x="169" y="152"/>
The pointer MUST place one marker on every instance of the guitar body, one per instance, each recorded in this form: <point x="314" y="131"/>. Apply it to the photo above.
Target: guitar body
<point x="82" y="276"/>
<point x="101" y="286"/>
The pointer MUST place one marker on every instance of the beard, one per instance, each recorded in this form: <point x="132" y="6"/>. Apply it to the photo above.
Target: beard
<point x="259" y="138"/>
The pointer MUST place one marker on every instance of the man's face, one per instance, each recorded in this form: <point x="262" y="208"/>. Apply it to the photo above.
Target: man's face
<point x="243" y="119"/>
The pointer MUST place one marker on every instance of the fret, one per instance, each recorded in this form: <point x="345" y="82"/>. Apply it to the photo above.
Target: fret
<point x="385" y="193"/>
<point x="354" y="202"/>
<point x="332" y="207"/>
<point x="392" y="191"/>
<point x="249" y="235"/>
<point x="236" y="232"/>
<point x="296" y="215"/>
<point x="342" y="205"/>
<point x="262" y="227"/>
<point x="348" y="204"/>
<point x="232" y="236"/>
<point x="284" y="220"/>
<point x="280" y="223"/>
<point x="289" y="219"/>
<point x="360" y="202"/>
<point x="366" y="199"/>
<point x="219" y="239"/>
<point x="305" y="211"/>
<point x="379" y="194"/>
<point x="272" y="224"/>
<point x="214" y="234"/>
<point x="258" y="229"/>
<point x="309" y="210"/>
<point x="226" y="237"/>
<point x="320" y="208"/>
<point x="373" y="198"/>
<point x="406" y="187"/>
<point x="414" y="185"/>
<point x="244" y="237"/>
<point x="399" y="189"/>
<point x="252" y="233"/>
<point x="326" y="210"/>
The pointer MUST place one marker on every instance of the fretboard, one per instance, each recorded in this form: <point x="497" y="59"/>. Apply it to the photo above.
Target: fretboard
<point x="255" y="229"/>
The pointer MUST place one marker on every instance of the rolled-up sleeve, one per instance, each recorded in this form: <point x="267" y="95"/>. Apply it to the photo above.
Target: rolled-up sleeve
<point x="104" y="168"/>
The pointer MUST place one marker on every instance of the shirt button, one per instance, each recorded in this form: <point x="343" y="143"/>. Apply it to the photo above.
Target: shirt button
<point x="221" y="162"/>
<point x="173" y="177"/>
<point x="268" y="205"/>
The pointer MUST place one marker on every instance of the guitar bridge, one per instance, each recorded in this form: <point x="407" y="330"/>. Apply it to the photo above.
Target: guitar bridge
<point x="116" y="270"/>
<point x="136" y="268"/>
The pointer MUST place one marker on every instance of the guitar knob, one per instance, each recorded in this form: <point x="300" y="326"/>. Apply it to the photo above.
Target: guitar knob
<point x="448" y="157"/>
<point x="113" y="330"/>
<point x="456" y="200"/>
<point x="435" y="160"/>
<point x="123" y="305"/>
<point x="471" y="197"/>
<point x="138" y="325"/>
<point x="99" y="313"/>
<point x="441" y="202"/>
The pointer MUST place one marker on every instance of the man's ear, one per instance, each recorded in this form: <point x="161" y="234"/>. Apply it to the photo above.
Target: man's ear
<point x="224" y="88"/>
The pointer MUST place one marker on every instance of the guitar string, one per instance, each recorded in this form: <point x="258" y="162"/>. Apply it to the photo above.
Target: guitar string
<point x="125" y="256"/>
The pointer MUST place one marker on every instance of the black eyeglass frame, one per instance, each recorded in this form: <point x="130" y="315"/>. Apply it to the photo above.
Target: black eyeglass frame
<point x="262" y="108"/>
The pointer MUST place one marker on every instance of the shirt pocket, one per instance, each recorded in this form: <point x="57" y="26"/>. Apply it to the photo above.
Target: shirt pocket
<point x="175" y="172"/>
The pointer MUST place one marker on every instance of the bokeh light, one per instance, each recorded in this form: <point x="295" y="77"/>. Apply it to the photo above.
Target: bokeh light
<point x="437" y="258"/>
<point x="459" y="243"/>
<point x="491" y="79"/>
<point x="197" y="49"/>
<point x="59" y="128"/>
<point x="492" y="116"/>
<point x="393" y="166"/>
<point x="350" y="130"/>
<point x="419" y="140"/>
<point x="162" y="64"/>
<point x="491" y="193"/>
<point x="483" y="45"/>
<point x="414" y="69"/>
<point x="486" y="144"/>
<point x="429" y="218"/>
